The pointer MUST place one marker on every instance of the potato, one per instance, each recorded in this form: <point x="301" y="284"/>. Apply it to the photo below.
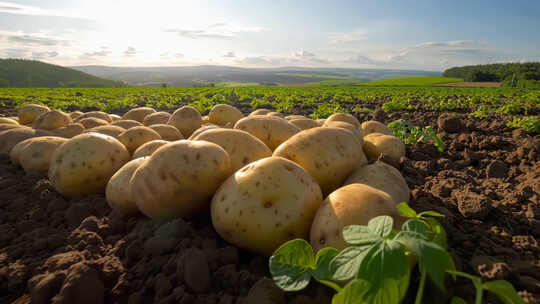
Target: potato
<point x="270" y="130"/>
<point x="91" y="122"/>
<point x="243" y="148"/>
<point x="354" y="204"/>
<point x="382" y="177"/>
<point x="4" y="127"/>
<point x="223" y="114"/>
<point x="16" y="151"/>
<point x="376" y="144"/>
<point x="69" y="131"/>
<point x="148" y="148"/>
<point x="202" y="129"/>
<point x="321" y="121"/>
<point x="265" y="204"/>
<point x="16" y="118"/>
<point x="75" y="115"/>
<point x="28" y="113"/>
<point x="304" y="123"/>
<point x="115" y="117"/>
<point x="179" y="179"/>
<point x="135" y="137"/>
<point x="9" y="138"/>
<point x="186" y="119"/>
<point x="52" y="120"/>
<point x="275" y="114"/>
<point x="373" y="126"/>
<point x="205" y="119"/>
<point x="291" y="117"/>
<point x="328" y="154"/>
<point x="126" y="124"/>
<point x="36" y="153"/>
<point x="118" y="190"/>
<point x="348" y="118"/>
<point x="138" y="114"/>
<point x="94" y="114"/>
<point x="84" y="164"/>
<point x="167" y="132"/>
<point x="260" y="112"/>
<point x="110" y="130"/>
<point x="157" y="118"/>
<point x="347" y="126"/>
<point x="5" y="120"/>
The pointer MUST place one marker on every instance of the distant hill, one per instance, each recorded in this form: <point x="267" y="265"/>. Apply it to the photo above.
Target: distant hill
<point x="225" y="75"/>
<point x="524" y="75"/>
<point x="29" y="73"/>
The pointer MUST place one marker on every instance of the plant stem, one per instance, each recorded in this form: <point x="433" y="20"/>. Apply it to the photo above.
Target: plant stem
<point x="479" y="294"/>
<point x="420" y="292"/>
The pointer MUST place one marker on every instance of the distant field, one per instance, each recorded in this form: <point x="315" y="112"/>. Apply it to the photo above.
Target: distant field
<point x="312" y="75"/>
<point x="471" y="84"/>
<point x="229" y="84"/>
<point x="413" y="81"/>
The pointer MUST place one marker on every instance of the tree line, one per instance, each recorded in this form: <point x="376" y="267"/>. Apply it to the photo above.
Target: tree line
<point x="522" y="75"/>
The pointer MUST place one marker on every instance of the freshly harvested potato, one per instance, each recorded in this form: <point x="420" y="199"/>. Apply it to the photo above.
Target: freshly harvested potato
<point x="373" y="126"/>
<point x="118" y="190"/>
<point x="138" y="114"/>
<point x="275" y="114"/>
<point x="179" y="179"/>
<point x="376" y="144"/>
<point x="4" y="127"/>
<point x="348" y="118"/>
<point x="265" y="204"/>
<point x="223" y="114"/>
<point x="69" y="131"/>
<point x="9" y="138"/>
<point x="16" y="151"/>
<point x="84" y="164"/>
<point x="36" y="153"/>
<point x="115" y="117"/>
<point x="29" y="112"/>
<point x="186" y="119"/>
<point x="205" y="120"/>
<point x="243" y="148"/>
<point x="135" y="137"/>
<point x="92" y="122"/>
<point x="321" y="121"/>
<point x="202" y="129"/>
<point x="304" y="123"/>
<point x="260" y="112"/>
<point x="167" y="132"/>
<point x="5" y="120"/>
<point x="328" y="154"/>
<point x="16" y="118"/>
<point x="354" y="204"/>
<point x="157" y="118"/>
<point x="382" y="177"/>
<point x="110" y="130"/>
<point x="52" y="120"/>
<point x="126" y="124"/>
<point x="270" y="130"/>
<point x="347" y="126"/>
<point x="75" y="115"/>
<point x="148" y="148"/>
<point x="94" y="114"/>
<point x="291" y="117"/>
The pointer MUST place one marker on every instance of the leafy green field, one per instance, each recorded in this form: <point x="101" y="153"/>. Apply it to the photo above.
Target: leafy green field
<point x="413" y="81"/>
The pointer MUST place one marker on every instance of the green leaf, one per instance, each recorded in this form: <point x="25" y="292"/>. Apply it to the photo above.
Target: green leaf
<point x="353" y="292"/>
<point x="322" y="264"/>
<point x="359" y="235"/>
<point x="291" y="265"/>
<point x="476" y="280"/>
<point x="406" y="210"/>
<point x="381" y="225"/>
<point x="504" y="290"/>
<point x="344" y="266"/>
<point x="457" y="300"/>
<point x="430" y="213"/>
<point x="439" y="234"/>
<point x="415" y="225"/>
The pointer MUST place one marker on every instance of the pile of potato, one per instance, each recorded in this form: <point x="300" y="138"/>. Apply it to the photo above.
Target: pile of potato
<point x="265" y="178"/>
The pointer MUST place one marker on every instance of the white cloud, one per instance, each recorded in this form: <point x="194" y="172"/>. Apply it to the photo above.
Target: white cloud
<point x="131" y="51"/>
<point x="355" y="36"/>
<point x="15" y="8"/>
<point x="103" y="53"/>
<point x="230" y="55"/>
<point x="218" y="30"/>
<point x="44" y="55"/>
<point x="303" y="53"/>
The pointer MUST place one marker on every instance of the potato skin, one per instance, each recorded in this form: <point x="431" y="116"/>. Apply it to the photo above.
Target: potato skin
<point x="223" y="114"/>
<point x="265" y="204"/>
<point x="354" y="204"/>
<point x="135" y="137"/>
<point x="304" y="123"/>
<point x="347" y="126"/>
<point x="291" y="117"/>
<point x="186" y="119"/>
<point x="52" y="120"/>
<point x="94" y="114"/>
<point x="9" y="138"/>
<point x="126" y="124"/>
<point x="36" y="153"/>
<point x="348" y="118"/>
<point x="272" y="131"/>
<point x="28" y="113"/>
<point x="138" y="114"/>
<point x="373" y="126"/>
<point x="69" y="131"/>
<point x="118" y="190"/>
<point x="167" y="132"/>
<point x="5" y="120"/>
<point x="84" y="164"/>
<point x="179" y="179"/>
<point x="75" y="115"/>
<point x="260" y="112"/>
<point x="91" y="122"/>
<point x="110" y="130"/>
<point x="156" y="118"/>
<point x="16" y="151"/>
<point x="328" y="154"/>
<point x="242" y="147"/>
<point x="203" y="129"/>
<point x="275" y="114"/>
<point x="376" y="144"/>
<point x="382" y="177"/>
<point x="148" y="148"/>
<point x="4" y="127"/>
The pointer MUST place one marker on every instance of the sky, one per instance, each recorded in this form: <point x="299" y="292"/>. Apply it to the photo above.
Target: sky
<point x="401" y="34"/>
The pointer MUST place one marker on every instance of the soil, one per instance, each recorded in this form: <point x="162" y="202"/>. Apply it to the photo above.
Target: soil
<point x="486" y="183"/>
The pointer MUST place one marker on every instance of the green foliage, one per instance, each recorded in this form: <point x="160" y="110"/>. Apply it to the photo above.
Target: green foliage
<point x="412" y="135"/>
<point x="324" y="110"/>
<point x="527" y="123"/>
<point x="414" y="81"/>
<point x="522" y="75"/>
<point x="503" y="289"/>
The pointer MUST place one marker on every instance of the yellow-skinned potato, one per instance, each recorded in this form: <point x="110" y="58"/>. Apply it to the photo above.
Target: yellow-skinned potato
<point x="167" y="132"/>
<point x="126" y="124"/>
<point x="354" y="204"/>
<point x="186" y="119"/>
<point x="348" y="118"/>
<point x="135" y="137"/>
<point x="9" y="138"/>
<point x="260" y="112"/>
<point x="118" y="190"/>
<point x="275" y="114"/>
<point x="16" y="151"/>
<point x="28" y="113"/>
<point x="179" y="179"/>
<point x="376" y="144"/>
<point x="95" y="114"/>
<point x="4" y="127"/>
<point x="321" y="121"/>
<point x="75" y="115"/>
<point x="382" y="177"/>
<point x="272" y="131"/>
<point x="115" y="117"/>
<point x="35" y="155"/>
<point x="291" y="117"/>
<point x="205" y="119"/>
<point x="328" y="154"/>
<point x="243" y="148"/>
<point x="202" y="129"/>
<point x="156" y="118"/>
<point x="16" y="118"/>
<point x="110" y="130"/>
<point x="347" y="126"/>
<point x="5" y="120"/>
<point x="52" y="120"/>
<point x="148" y="148"/>
<point x="373" y="126"/>
<point x="223" y="114"/>
<point x="92" y="122"/>
<point x="304" y="123"/>
<point x="69" y="131"/>
<point x="138" y="114"/>
<point x="84" y="164"/>
<point x="265" y="204"/>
